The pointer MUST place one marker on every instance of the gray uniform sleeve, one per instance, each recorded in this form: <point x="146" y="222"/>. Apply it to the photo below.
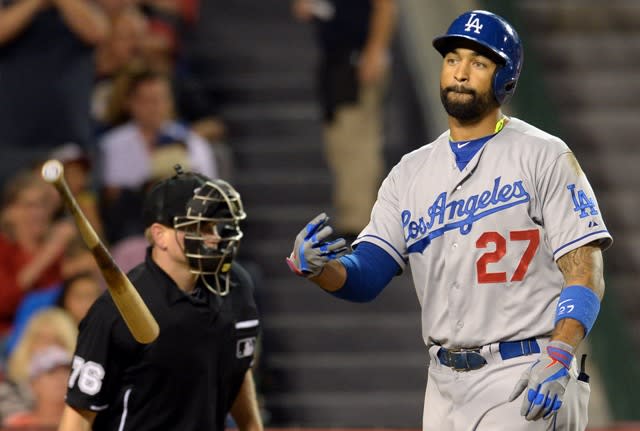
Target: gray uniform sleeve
<point x="385" y="227"/>
<point x="571" y="215"/>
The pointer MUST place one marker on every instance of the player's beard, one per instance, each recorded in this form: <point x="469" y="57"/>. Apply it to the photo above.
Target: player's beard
<point x="467" y="111"/>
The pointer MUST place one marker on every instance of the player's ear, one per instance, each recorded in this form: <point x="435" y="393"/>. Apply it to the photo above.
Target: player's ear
<point x="158" y="235"/>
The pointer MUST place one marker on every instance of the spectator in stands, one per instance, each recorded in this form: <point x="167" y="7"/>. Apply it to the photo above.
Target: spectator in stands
<point x="112" y="8"/>
<point x="354" y="39"/>
<point x="127" y="151"/>
<point x="152" y="33"/>
<point x="31" y="244"/>
<point x="46" y="58"/>
<point x="177" y="13"/>
<point x="165" y="49"/>
<point x="50" y="327"/>
<point x="77" y="259"/>
<point x="120" y="50"/>
<point x="79" y="293"/>
<point x="163" y="40"/>
<point x="170" y="23"/>
<point x="49" y="371"/>
<point x="75" y="295"/>
<point x="186" y="10"/>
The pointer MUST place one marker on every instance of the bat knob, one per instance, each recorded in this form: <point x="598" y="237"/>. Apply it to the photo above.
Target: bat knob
<point x="52" y="171"/>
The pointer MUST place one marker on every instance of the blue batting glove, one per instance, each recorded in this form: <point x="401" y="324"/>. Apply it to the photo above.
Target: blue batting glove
<point x="545" y="381"/>
<point x="311" y="251"/>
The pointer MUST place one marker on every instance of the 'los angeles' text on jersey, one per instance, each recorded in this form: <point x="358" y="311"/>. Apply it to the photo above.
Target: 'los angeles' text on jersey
<point x="449" y="214"/>
<point x="487" y="236"/>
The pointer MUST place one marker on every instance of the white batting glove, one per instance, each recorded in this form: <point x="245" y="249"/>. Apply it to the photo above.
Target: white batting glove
<point x="546" y="381"/>
<point x="311" y="252"/>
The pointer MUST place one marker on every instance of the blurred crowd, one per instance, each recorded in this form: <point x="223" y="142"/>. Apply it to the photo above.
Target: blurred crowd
<point x="112" y="89"/>
<point x="108" y="88"/>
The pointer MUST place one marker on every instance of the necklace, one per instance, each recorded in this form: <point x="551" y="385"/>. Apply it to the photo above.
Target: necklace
<point x="500" y="124"/>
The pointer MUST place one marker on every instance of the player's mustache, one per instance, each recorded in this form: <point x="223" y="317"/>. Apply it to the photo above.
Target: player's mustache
<point x="459" y="89"/>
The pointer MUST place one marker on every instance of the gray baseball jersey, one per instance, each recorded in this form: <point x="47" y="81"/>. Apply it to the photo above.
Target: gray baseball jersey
<point x="482" y="242"/>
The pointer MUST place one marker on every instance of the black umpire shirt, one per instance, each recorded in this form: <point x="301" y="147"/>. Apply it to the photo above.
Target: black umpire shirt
<point x="188" y="378"/>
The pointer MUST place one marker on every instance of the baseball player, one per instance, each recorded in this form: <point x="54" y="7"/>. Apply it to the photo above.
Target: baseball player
<point x="504" y="237"/>
<point x="199" y="368"/>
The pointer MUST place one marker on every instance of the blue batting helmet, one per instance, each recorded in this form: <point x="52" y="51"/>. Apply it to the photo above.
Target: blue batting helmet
<point x="492" y="36"/>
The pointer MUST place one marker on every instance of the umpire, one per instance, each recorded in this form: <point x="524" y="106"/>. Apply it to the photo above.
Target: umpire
<point x="199" y="368"/>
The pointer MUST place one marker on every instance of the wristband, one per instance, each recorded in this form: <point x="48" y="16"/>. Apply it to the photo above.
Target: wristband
<point x="579" y="303"/>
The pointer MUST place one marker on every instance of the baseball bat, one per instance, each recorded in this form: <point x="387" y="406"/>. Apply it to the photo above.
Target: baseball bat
<point x="132" y="308"/>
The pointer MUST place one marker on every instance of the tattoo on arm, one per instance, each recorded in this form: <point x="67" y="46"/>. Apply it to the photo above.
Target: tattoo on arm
<point x="584" y="266"/>
<point x="581" y="266"/>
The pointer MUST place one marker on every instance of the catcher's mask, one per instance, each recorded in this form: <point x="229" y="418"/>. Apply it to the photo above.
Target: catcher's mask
<point x="212" y="232"/>
<point x="209" y="212"/>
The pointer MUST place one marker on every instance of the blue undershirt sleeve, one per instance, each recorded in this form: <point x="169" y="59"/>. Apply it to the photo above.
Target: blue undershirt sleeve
<point x="369" y="270"/>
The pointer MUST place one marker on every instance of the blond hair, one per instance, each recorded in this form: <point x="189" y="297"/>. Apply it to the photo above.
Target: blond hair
<point x="53" y="318"/>
<point x="149" y="236"/>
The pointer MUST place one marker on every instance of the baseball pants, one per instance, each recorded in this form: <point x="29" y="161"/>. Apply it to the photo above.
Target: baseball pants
<point x="477" y="400"/>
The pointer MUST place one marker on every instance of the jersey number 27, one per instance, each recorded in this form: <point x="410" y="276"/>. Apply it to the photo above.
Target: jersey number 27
<point x="500" y="244"/>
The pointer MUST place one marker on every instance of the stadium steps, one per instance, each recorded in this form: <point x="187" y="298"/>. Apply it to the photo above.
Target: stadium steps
<point x="591" y="55"/>
<point x="324" y="362"/>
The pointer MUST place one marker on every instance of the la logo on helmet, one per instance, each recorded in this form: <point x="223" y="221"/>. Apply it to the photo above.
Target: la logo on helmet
<point x="473" y="23"/>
